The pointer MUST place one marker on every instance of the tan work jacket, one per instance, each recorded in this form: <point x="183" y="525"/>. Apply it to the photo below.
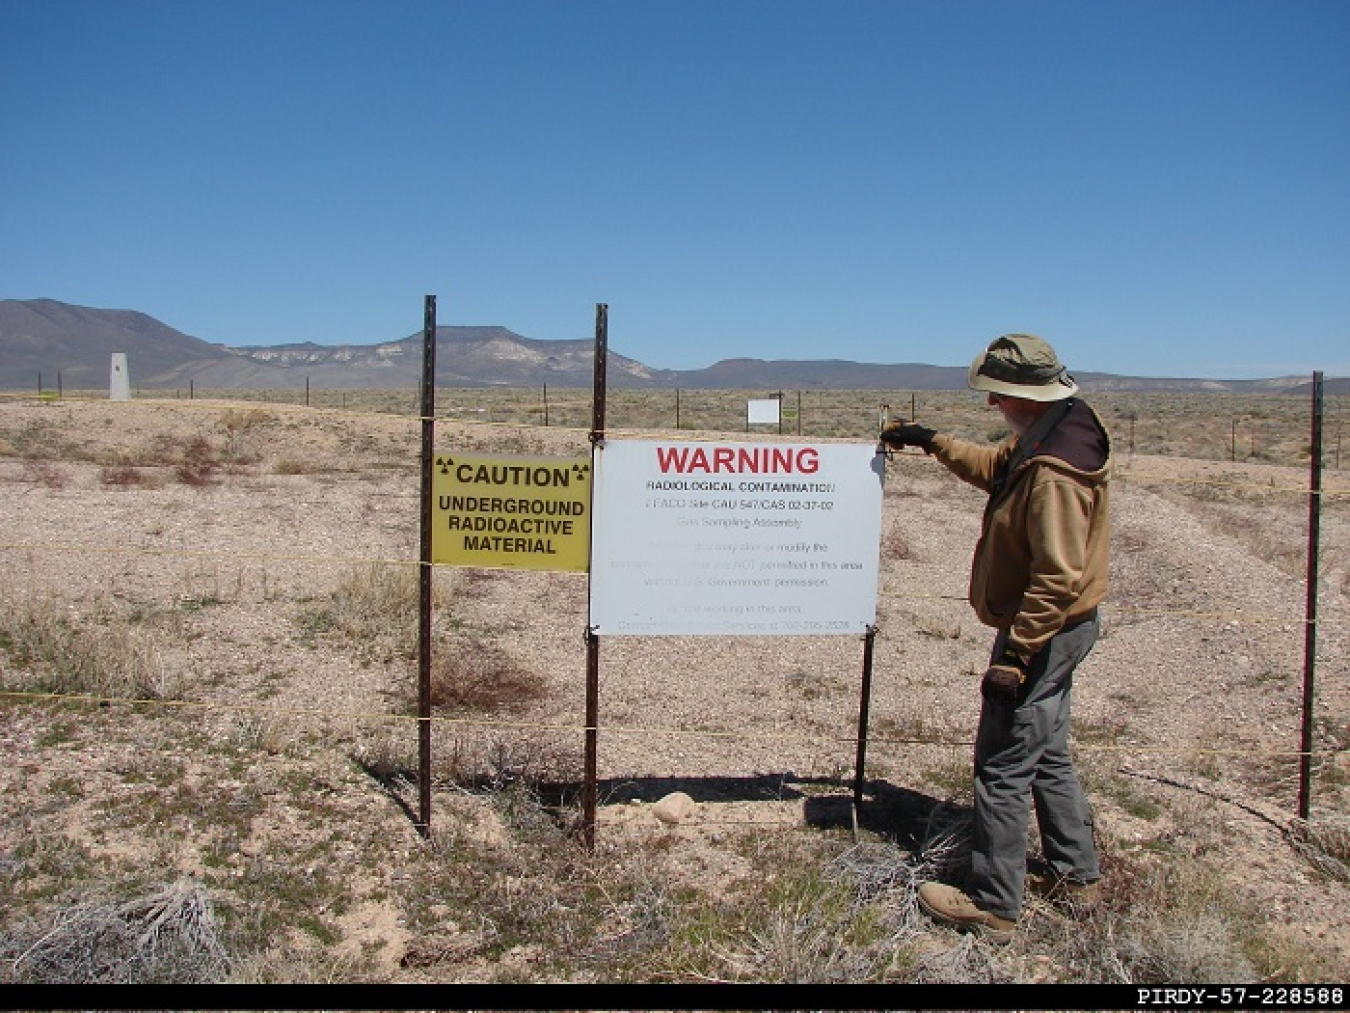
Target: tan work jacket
<point x="1041" y="562"/>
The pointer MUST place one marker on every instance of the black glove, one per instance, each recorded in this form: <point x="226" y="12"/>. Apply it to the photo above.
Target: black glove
<point x="1005" y="677"/>
<point x="899" y="433"/>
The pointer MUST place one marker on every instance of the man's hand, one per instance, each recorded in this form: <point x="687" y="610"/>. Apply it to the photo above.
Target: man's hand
<point x="907" y="434"/>
<point x="1005" y="677"/>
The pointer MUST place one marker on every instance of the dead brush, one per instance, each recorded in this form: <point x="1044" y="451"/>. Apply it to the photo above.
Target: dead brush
<point x="1324" y="843"/>
<point x="814" y="936"/>
<point x="198" y="463"/>
<point x="238" y="426"/>
<point x="193" y="458"/>
<point x="896" y="546"/>
<point x="167" y="936"/>
<point x="38" y="472"/>
<point x="125" y="476"/>
<point x="374" y="609"/>
<point x="385" y="757"/>
<point x="57" y="654"/>
<point x="1155" y="922"/>
<point x="472" y="675"/>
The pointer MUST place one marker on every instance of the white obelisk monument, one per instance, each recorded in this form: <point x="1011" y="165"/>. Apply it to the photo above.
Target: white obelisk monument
<point x="119" y="381"/>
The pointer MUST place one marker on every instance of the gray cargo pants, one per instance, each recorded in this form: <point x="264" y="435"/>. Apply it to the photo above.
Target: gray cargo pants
<point x="1021" y="750"/>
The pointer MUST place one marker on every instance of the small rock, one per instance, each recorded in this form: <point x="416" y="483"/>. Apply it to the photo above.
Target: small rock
<point x="675" y="808"/>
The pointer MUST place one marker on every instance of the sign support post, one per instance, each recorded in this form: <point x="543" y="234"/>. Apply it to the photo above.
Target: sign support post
<point x="864" y="705"/>
<point x="588" y="791"/>
<point x="424" y="571"/>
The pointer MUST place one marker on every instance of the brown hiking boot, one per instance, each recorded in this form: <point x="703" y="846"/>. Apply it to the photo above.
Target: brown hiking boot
<point x="950" y="906"/>
<point x="1072" y="895"/>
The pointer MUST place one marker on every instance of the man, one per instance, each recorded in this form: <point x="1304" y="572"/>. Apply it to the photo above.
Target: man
<point x="1038" y="574"/>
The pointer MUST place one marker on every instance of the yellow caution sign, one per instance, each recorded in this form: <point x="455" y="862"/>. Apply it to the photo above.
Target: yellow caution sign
<point x="520" y="513"/>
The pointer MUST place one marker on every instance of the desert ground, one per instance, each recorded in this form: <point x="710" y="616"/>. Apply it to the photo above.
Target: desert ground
<point x="209" y="670"/>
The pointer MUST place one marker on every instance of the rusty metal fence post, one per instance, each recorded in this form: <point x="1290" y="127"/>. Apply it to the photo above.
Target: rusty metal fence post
<point x="424" y="586"/>
<point x="1310" y="615"/>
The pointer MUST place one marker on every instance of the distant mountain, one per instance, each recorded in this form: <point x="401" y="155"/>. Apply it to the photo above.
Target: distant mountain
<point x="49" y="339"/>
<point x="54" y="342"/>
<point x="42" y="336"/>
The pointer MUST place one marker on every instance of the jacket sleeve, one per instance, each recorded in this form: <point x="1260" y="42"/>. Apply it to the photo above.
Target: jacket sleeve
<point x="1059" y="514"/>
<point x="975" y="463"/>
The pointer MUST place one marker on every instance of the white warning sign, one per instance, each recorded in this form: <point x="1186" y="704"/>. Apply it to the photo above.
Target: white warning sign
<point x="735" y="538"/>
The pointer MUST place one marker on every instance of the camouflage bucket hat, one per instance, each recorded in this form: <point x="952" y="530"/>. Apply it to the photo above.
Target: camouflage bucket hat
<point x="1021" y="365"/>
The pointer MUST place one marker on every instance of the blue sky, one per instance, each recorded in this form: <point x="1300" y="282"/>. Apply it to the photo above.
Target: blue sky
<point x="1158" y="187"/>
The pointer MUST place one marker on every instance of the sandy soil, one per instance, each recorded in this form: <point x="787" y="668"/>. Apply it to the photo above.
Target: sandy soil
<point x="1192" y="696"/>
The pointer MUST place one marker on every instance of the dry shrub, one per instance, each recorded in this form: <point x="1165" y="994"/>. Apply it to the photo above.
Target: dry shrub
<point x="193" y="458"/>
<point x="167" y="936"/>
<point x="385" y="756"/>
<point x="45" y="474"/>
<point x="1181" y="925"/>
<point x="290" y="962"/>
<point x="1161" y="920"/>
<point x="896" y="546"/>
<point x="125" y="476"/>
<point x="374" y="609"/>
<point x="198" y="463"/>
<point x="1155" y="922"/>
<point x="1325" y="844"/>
<point x="238" y="426"/>
<point x="471" y="757"/>
<point x="810" y="935"/>
<point x="295" y="466"/>
<point x="475" y="676"/>
<point x="60" y="655"/>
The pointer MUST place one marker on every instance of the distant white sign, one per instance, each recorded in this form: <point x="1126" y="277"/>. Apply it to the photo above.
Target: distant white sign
<point x="720" y="539"/>
<point x="119" y="380"/>
<point x="765" y="411"/>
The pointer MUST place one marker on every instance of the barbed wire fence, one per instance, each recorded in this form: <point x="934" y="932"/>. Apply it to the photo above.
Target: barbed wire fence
<point x="711" y="412"/>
